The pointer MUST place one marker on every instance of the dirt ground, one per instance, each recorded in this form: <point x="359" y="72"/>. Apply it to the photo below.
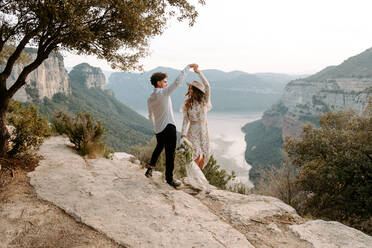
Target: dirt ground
<point x="26" y="221"/>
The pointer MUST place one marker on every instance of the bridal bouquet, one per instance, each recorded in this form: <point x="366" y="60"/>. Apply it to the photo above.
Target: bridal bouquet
<point x="185" y="149"/>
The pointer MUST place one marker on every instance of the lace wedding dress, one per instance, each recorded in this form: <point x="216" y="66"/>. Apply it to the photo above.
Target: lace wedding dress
<point x="195" y="176"/>
<point x="195" y="128"/>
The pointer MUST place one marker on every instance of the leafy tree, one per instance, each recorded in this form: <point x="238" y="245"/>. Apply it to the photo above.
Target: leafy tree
<point x="96" y="27"/>
<point x="335" y="166"/>
<point x="30" y="128"/>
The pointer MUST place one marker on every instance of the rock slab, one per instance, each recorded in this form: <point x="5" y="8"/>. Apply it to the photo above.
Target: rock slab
<point x="116" y="199"/>
<point x="331" y="234"/>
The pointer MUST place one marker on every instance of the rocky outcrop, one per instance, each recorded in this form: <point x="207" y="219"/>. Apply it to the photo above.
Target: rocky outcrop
<point x="330" y="234"/>
<point x="88" y="76"/>
<point x="114" y="197"/>
<point x="347" y="86"/>
<point x="48" y="79"/>
<point x="307" y="99"/>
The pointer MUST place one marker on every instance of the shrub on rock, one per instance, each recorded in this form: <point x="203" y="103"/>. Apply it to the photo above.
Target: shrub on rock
<point x="83" y="132"/>
<point x="29" y="128"/>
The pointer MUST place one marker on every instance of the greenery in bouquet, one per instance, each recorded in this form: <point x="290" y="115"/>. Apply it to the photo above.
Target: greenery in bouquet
<point x="185" y="149"/>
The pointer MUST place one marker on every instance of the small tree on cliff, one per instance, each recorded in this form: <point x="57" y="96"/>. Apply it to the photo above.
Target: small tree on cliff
<point x="95" y="27"/>
<point x="335" y="166"/>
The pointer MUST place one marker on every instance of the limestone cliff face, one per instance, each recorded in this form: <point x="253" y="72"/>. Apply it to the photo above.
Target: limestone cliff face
<point x="48" y="79"/>
<point x="347" y="86"/>
<point x="306" y="100"/>
<point x="88" y="76"/>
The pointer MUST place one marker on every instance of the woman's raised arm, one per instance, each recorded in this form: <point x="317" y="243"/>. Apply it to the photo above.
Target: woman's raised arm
<point x="207" y="88"/>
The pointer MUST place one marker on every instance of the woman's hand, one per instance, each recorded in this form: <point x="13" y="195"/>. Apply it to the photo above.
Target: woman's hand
<point x="196" y="68"/>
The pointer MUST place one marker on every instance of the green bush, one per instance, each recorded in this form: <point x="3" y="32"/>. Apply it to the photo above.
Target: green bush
<point x="240" y="188"/>
<point x="83" y="132"/>
<point x="216" y="176"/>
<point x="30" y="128"/>
<point x="335" y="168"/>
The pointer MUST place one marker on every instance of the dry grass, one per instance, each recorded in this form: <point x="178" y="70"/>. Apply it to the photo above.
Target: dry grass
<point x="26" y="221"/>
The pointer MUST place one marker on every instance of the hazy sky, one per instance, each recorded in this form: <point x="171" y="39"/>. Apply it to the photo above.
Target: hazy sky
<point x="285" y="36"/>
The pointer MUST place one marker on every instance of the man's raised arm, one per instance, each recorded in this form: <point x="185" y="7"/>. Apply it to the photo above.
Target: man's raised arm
<point x="178" y="80"/>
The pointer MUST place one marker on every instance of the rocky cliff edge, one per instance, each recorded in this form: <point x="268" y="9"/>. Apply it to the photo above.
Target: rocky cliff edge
<point x="114" y="198"/>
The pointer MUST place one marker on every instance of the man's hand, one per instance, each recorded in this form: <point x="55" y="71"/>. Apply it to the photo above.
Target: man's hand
<point x="193" y="66"/>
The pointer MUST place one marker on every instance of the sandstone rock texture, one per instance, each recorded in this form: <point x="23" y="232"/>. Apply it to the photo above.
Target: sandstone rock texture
<point x="304" y="100"/>
<point x="115" y="198"/>
<point x="307" y="99"/>
<point x="331" y="234"/>
<point x="89" y="76"/>
<point x="48" y="79"/>
<point x="346" y="86"/>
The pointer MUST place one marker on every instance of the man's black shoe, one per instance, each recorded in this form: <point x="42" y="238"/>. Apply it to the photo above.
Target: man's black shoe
<point x="148" y="173"/>
<point x="174" y="183"/>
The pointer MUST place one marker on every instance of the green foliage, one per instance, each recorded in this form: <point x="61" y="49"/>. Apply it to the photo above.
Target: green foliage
<point x="240" y="187"/>
<point x="8" y="49"/>
<point x="215" y="175"/>
<point x="335" y="167"/>
<point x="92" y="27"/>
<point x="30" y="128"/>
<point x="83" y="132"/>
<point x="32" y="90"/>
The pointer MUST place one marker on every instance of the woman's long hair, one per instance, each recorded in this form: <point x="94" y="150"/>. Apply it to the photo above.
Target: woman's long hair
<point x="196" y="96"/>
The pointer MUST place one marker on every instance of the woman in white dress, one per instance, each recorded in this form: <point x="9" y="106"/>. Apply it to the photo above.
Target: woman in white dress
<point x="195" y="127"/>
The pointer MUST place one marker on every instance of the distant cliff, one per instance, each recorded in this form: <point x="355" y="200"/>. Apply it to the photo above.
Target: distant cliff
<point x="48" y="79"/>
<point x="347" y="86"/>
<point x="89" y="76"/>
<point x="306" y="99"/>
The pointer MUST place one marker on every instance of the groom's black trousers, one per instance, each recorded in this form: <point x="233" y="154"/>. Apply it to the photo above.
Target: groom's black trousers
<point x="168" y="139"/>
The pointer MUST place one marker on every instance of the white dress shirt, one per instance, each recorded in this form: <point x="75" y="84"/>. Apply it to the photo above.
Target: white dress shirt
<point x="160" y="104"/>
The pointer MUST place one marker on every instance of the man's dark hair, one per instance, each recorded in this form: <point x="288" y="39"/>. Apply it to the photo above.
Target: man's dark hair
<point x="157" y="76"/>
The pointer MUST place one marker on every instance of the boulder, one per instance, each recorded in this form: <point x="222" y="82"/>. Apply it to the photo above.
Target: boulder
<point x="331" y="234"/>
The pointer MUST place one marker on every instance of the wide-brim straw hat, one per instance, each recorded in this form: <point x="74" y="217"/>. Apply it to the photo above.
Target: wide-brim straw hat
<point x="197" y="85"/>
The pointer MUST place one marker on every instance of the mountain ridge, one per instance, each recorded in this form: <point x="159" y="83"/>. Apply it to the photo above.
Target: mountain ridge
<point x="234" y="91"/>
